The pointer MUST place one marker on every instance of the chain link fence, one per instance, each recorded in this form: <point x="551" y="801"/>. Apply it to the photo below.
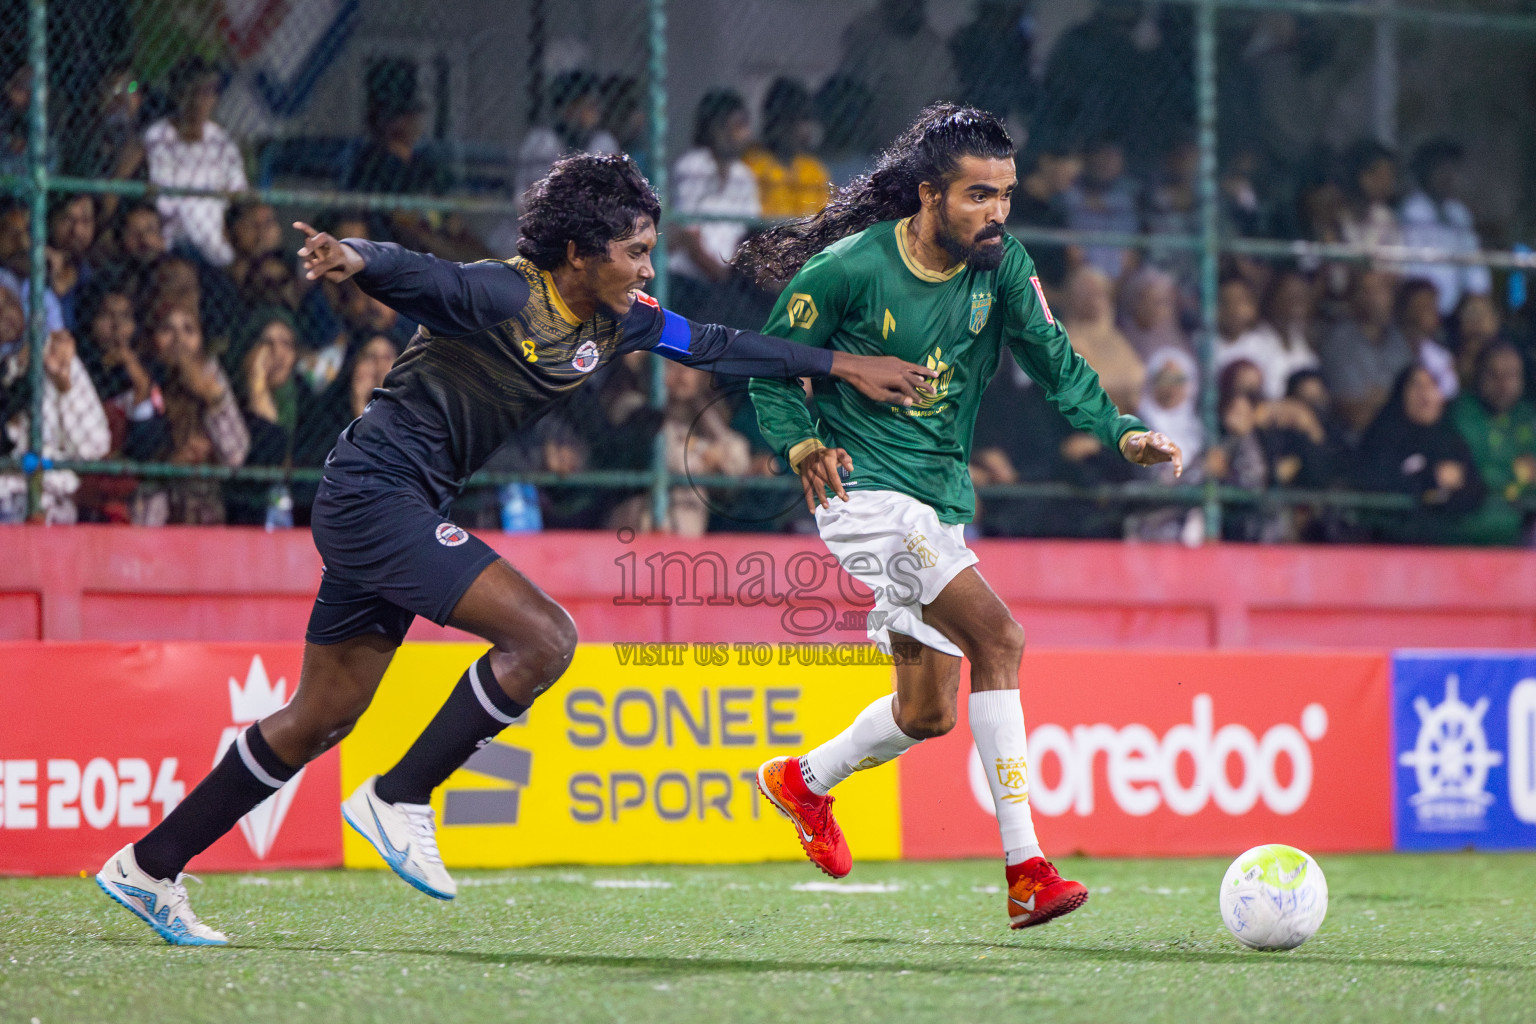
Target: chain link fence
<point x="1254" y="218"/>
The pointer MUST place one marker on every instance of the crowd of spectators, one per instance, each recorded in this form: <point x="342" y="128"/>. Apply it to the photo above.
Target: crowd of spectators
<point x="179" y="330"/>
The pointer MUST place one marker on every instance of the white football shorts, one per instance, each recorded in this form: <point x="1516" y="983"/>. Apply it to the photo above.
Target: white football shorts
<point x="896" y="546"/>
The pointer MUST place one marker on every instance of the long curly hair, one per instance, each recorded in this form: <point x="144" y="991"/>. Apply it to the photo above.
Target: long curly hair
<point x="587" y="199"/>
<point x="930" y="150"/>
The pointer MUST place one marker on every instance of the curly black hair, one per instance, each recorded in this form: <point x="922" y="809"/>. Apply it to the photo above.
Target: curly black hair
<point x="930" y="150"/>
<point x="588" y="199"/>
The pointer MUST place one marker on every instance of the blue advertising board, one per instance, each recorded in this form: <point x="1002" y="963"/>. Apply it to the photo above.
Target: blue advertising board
<point x="1464" y="750"/>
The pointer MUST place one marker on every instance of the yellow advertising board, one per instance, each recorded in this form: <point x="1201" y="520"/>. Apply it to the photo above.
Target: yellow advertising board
<point x="642" y="753"/>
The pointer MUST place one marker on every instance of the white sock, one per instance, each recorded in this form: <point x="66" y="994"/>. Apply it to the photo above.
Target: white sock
<point x="873" y="739"/>
<point x="997" y="726"/>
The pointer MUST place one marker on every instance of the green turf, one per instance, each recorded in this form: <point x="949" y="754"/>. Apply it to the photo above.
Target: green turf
<point x="1407" y="938"/>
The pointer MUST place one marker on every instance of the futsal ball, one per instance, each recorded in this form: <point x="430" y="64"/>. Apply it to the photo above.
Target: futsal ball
<point x="1273" y="897"/>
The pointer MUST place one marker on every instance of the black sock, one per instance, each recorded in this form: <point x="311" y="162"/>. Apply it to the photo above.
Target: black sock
<point x="476" y="710"/>
<point x="247" y="774"/>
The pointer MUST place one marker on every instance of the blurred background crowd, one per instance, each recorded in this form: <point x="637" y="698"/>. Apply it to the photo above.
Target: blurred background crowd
<point x="180" y="332"/>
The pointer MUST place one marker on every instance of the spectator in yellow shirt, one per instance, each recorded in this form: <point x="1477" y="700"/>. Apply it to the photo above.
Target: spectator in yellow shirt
<point x="790" y="180"/>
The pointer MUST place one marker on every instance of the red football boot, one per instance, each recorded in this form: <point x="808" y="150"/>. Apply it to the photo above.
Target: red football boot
<point x="1037" y="894"/>
<point x="781" y="782"/>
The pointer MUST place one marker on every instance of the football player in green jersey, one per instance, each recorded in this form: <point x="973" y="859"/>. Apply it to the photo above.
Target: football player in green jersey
<point x="913" y="261"/>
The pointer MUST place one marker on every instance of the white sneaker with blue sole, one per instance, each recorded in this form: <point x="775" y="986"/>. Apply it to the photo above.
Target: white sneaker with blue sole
<point x="159" y="903"/>
<point x="405" y="835"/>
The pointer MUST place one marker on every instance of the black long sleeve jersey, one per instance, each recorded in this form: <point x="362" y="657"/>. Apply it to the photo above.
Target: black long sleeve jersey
<point x="497" y="348"/>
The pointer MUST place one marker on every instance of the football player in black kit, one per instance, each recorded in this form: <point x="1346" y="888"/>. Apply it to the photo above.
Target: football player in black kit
<point x="500" y="342"/>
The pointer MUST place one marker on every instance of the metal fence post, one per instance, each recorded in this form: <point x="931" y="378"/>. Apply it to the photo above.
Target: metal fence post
<point x="37" y="288"/>
<point x="1205" y="91"/>
<point x="658" y="145"/>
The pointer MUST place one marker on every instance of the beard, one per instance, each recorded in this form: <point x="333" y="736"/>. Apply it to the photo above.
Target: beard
<point x="972" y="251"/>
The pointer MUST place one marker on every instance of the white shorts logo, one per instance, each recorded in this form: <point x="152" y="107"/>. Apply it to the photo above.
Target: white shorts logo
<point x="450" y="536"/>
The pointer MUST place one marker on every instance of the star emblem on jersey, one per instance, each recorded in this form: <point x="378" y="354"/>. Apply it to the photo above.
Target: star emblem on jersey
<point x="801" y="310"/>
<point x="585" y="359"/>
<point x="450" y="536"/>
<point x="981" y="306"/>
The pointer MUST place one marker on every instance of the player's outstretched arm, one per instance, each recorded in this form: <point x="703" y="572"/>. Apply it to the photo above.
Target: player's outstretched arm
<point x="447" y="298"/>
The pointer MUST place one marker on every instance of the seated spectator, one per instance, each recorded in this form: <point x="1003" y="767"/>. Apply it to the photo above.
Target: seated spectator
<point x="699" y="442"/>
<point x="109" y="348"/>
<point x="394" y="161"/>
<point x="848" y="141"/>
<point x="895" y="52"/>
<point x="1361" y="355"/>
<point x="343" y="400"/>
<point x="1418" y="318"/>
<point x="1168" y="404"/>
<point x="265" y="352"/>
<point x="1047" y="172"/>
<point x="711" y="178"/>
<point x="1089" y="317"/>
<point x="1411" y="448"/>
<point x="575" y="126"/>
<point x="993" y="56"/>
<point x="1149" y="304"/>
<point x="188" y="150"/>
<point x="1499" y="425"/>
<point x="270" y="280"/>
<point x="1477" y="325"/>
<point x="206" y="426"/>
<point x="252" y="230"/>
<point x="1433" y="215"/>
<point x="1241" y="336"/>
<point x="1170" y="206"/>
<point x="71" y="234"/>
<point x="626" y="117"/>
<point x="1285" y="330"/>
<point x="15" y="110"/>
<point x="336" y="319"/>
<point x="1104" y="199"/>
<point x="1238" y="459"/>
<point x="791" y="181"/>
<point x="111" y="142"/>
<point x="1242" y="211"/>
<point x="74" y="425"/>
<point x="1370" y="216"/>
<point x="1325" y="463"/>
<point x="16" y="261"/>
<point x="139" y="241"/>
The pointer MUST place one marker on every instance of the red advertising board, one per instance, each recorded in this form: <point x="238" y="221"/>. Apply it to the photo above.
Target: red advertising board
<point x="100" y="741"/>
<point x="1137" y="754"/>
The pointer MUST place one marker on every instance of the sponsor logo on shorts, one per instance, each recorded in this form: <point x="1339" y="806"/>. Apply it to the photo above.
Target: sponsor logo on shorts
<point x="450" y="536"/>
<point x="585" y="359"/>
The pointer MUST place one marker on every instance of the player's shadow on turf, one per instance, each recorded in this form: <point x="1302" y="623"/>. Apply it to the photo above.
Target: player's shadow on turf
<point x="670" y="966"/>
<point x="1234" y="957"/>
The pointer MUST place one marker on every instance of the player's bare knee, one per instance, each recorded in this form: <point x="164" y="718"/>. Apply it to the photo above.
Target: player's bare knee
<point x="925" y="723"/>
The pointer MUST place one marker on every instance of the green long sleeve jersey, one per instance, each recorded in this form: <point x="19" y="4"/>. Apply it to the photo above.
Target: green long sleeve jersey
<point x="866" y="295"/>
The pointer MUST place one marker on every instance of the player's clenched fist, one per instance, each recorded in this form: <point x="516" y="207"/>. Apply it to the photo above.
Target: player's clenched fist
<point x="325" y="257"/>
<point x="820" y="471"/>
<point x="1149" y="447"/>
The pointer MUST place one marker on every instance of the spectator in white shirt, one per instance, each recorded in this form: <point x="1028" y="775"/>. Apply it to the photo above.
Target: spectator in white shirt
<point x="74" y="424"/>
<point x="188" y="150"/>
<point x="1433" y="216"/>
<point x="1368" y="217"/>
<point x="1276" y="342"/>
<point x="711" y="178"/>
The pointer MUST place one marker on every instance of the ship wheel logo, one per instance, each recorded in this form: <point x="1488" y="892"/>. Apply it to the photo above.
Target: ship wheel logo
<point x="1450" y="762"/>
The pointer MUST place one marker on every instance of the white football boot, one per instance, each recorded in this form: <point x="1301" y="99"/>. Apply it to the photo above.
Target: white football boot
<point x="405" y="836"/>
<point x="158" y="903"/>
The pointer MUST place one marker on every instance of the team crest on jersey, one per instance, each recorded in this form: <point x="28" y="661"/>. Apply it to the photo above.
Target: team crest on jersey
<point x="450" y="536"/>
<point x="981" y="306"/>
<point x="801" y="310"/>
<point x="585" y="359"/>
